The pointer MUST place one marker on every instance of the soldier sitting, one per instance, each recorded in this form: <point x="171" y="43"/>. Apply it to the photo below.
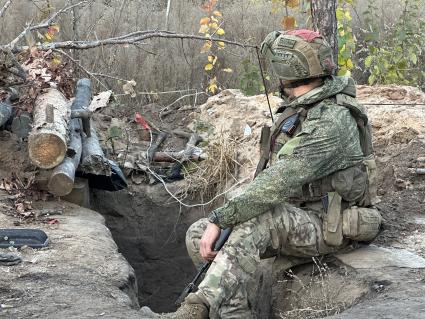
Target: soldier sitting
<point x="315" y="190"/>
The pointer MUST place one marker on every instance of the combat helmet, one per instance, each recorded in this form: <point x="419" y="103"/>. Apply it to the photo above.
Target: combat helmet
<point x="298" y="54"/>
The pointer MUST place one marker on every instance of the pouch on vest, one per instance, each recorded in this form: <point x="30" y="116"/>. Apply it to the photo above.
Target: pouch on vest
<point x="361" y="223"/>
<point x="370" y="165"/>
<point x="332" y="220"/>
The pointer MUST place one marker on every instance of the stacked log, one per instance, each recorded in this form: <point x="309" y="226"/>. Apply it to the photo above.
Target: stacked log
<point x="47" y="143"/>
<point x="63" y="140"/>
<point x="62" y="179"/>
<point x="93" y="159"/>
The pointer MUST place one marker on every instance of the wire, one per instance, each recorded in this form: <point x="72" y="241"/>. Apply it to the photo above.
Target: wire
<point x="264" y="82"/>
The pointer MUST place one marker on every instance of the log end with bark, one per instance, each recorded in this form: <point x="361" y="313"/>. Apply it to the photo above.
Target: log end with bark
<point x="61" y="182"/>
<point x="47" y="143"/>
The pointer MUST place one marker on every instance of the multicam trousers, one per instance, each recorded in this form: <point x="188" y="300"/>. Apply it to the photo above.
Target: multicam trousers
<point x="286" y="230"/>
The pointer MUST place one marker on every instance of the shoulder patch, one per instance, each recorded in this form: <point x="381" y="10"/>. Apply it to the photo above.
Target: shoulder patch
<point x="287" y="43"/>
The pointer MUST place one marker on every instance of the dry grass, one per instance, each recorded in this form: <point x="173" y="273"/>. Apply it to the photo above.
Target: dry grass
<point x="217" y="173"/>
<point x="317" y="297"/>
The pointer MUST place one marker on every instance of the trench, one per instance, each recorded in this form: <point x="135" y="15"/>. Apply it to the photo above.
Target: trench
<point x="151" y="235"/>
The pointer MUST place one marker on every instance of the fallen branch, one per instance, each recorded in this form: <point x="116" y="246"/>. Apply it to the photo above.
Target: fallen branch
<point x="125" y="39"/>
<point x="44" y="24"/>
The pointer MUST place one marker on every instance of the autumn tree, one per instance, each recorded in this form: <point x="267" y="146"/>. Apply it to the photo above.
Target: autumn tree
<point x="323" y="13"/>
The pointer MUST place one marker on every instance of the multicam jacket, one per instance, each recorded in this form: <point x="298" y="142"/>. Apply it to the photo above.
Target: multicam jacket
<point x="327" y="142"/>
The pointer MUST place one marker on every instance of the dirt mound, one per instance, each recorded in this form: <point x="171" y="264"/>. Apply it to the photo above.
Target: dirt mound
<point x="398" y="121"/>
<point x="232" y="115"/>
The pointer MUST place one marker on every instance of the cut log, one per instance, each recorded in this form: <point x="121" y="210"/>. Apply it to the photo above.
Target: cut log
<point x="47" y="143"/>
<point x="93" y="159"/>
<point x="61" y="181"/>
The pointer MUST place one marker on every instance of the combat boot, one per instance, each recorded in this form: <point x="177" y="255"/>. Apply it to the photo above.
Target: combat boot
<point x="193" y="307"/>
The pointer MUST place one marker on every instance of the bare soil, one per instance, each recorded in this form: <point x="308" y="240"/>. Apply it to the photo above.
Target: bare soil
<point x="149" y="226"/>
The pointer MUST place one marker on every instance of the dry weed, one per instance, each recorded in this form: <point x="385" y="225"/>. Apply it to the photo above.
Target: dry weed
<point x="316" y="298"/>
<point x="217" y="173"/>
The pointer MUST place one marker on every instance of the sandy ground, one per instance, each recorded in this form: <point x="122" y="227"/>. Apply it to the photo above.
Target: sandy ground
<point x="80" y="275"/>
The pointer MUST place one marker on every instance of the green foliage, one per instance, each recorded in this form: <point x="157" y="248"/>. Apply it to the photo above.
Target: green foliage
<point x="346" y="41"/>
<point x="393" y="50"/>
<point x="251" y="82"/>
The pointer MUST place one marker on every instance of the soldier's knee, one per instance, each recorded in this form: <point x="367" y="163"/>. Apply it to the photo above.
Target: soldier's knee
<point x="193" y="236"/>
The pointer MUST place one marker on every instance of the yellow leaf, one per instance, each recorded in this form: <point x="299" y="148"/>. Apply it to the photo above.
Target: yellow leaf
<point x="203" y="29"/>
<point x="209" y="67"/>
<point x="56" y="61"/>
<point x="213" y="25"/>
<point x="349" y="64"/>
<point x="214" y="19"/>
<point x="227" y="70"/>
<point x="348" y="15"/>
<point x="221" y="44"/>
<point x="48" y="37"/>
<point x="220" y="31"/>
<point x="204" y="20"/>
<point x="292" y="3"/>
<point x="206" y="47"/>
<point x="217" y="13"/>
<point x="213" y="88"/>
<point x="212" y="85"/>
<point x="210" y="58"/>
<point x="288" y="23"/>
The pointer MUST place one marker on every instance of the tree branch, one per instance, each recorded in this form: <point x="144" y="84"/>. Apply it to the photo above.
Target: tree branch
<point x="6" y="5"/>
<point x="44" y="24"/>
<point x="87" y="72"/>
<point x="134" y="38"/>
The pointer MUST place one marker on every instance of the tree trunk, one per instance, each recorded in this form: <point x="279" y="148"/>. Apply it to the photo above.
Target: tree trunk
<point x="93" y="159"/>
<point x="323" y="13"/>
<point x="61" y="181"/>
<point x="47" y="143"/>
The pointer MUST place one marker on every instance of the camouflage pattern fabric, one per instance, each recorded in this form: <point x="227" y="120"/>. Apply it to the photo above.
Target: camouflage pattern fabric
<point x="328" y="142"/>
<point x="298" y="54"/>
<point x="264" y="220"/>
<point x="228" y="283"/>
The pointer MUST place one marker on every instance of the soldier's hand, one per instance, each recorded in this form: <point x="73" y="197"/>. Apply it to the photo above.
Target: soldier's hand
<point x="210" y="236"/>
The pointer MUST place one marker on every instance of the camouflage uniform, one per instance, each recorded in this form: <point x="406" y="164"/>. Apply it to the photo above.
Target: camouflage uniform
<point x="264" y="216"/>
<point x="315" y="196"/>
